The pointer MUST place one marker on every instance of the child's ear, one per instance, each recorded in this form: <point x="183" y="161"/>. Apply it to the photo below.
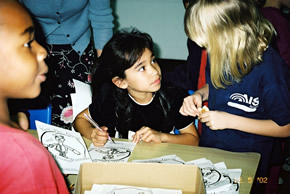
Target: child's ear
<point x="119" y="82"/>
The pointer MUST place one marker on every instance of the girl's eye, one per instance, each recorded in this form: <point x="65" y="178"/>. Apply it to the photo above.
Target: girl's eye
<point x="153" y="61"/>
<point x="142" y="69"/>
<point x="28" y="44"/>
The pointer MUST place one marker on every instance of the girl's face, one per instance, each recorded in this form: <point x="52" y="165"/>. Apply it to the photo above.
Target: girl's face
<point x="22" y="65"/>
<point x="144" y="77"/>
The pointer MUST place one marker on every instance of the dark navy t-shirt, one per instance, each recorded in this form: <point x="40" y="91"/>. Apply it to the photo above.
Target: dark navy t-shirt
<point x="262" y="94"/>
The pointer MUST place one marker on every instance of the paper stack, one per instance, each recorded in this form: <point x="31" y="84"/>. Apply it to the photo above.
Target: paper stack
<point x="217" y="178"/>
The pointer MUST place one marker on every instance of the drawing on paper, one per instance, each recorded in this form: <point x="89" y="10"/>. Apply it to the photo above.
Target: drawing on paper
<point x="67" y="147"/>
<point x="112" y="152"/>
<point x="109" y="154"/>
<point x="210" y="176"/>
<point x="63" y="146"/>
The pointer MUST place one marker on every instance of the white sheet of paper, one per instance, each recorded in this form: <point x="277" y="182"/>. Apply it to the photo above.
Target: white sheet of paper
<point x="168" y="159"/>
<point x="217" y="178"/>
<point x="119" y="151"/>
<point x="82" y="98"/>
<point x="67" y="147"/>
<point x="125" y="189"/>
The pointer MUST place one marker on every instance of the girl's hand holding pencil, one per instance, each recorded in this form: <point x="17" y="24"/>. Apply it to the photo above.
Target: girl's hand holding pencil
<point x="99" y="138"/>
<point x="99" y="135"/>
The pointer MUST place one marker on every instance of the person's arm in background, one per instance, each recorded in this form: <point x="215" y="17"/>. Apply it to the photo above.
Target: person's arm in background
<point x="283" y="43"/>
<point x="271" y="10"/>
<point x="186" y="75"/>
<point x="101" y="17"/>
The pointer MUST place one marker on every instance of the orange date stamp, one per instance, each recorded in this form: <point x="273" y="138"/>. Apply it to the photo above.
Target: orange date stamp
<point x="251" y="180"/>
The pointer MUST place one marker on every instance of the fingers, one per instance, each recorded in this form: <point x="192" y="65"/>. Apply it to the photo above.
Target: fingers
<point x="99" y="138"/>
<point x="208" y="118"/>
<point x="203" y="117"/>
<point x="146" y="134"/>
<point x="189" y="106"/>
<point x="138" y="135"/>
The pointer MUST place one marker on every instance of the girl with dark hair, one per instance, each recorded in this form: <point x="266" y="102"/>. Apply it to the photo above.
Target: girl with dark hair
<point x="127" y="96"/>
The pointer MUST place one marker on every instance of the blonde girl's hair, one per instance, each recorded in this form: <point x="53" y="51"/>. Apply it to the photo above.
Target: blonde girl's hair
<point x="233" y="33"/>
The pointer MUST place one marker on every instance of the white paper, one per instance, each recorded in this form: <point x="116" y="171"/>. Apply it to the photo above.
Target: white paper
<point x="169" y="159"/>
<point x="125" y="189"/>
<point x="119" y="151"/>
<point x="218" y="179"/>
<point x="82" y="98"/>
<point x="67" y="147"/>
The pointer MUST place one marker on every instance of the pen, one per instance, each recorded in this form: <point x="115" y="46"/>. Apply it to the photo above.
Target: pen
<point x="96" y="125"/>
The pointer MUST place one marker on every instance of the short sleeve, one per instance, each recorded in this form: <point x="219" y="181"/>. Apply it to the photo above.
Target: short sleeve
<point x="180" y="121"/>
<point x="275" y="95"/>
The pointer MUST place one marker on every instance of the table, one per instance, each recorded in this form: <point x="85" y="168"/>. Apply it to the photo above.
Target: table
<point x="247" y="161"/>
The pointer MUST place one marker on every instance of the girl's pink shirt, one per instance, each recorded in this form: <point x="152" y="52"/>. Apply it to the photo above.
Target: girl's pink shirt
<point x="26" y="166"/>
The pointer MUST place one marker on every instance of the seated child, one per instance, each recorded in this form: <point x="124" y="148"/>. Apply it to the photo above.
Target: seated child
<point x="25" y="165"/>
<point x="128" y="96"/>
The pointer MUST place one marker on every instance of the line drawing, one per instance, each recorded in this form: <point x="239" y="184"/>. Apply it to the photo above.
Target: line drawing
<point x="119" y="151"/>
<point x="67" y="147"/>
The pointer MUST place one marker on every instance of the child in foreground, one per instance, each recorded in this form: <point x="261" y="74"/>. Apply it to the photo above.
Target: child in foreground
<point x="25" y="165"/>
<point x="247" y="89"/>
<point x="128" y="96"/>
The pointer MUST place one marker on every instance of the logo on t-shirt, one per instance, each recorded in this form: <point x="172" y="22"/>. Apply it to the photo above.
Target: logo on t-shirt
<point x="244" y="102"/>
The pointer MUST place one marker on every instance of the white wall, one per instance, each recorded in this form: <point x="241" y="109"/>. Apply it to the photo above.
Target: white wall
<point x="162" y="19"/>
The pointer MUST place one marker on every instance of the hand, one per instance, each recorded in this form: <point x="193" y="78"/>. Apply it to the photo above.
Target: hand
<point x="147" y="134"/>
<point x="215" y="120"/>
<point x="99" y="138"/>
<point x="23" y="120"/>
<point x="191" y="104"/>
<point x="20" y="121"/>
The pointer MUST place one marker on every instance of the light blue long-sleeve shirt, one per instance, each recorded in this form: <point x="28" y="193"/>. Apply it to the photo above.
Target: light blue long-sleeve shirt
<point x="71" y="21"/>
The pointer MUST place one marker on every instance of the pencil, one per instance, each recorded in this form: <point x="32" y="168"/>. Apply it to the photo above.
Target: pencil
<point x="96" y="125"/>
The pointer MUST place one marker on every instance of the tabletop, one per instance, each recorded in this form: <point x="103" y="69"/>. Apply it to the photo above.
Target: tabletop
<point x="247" y="161"/>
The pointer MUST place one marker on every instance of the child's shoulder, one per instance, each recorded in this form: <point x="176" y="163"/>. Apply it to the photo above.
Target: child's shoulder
<point x="16" y="138"/>
<point x="271" y="58"/>
<point x="174" y="92"/>
<point x="104" y="92"/>
<point x="272" y="63"/>
<point x="272" y="67"/>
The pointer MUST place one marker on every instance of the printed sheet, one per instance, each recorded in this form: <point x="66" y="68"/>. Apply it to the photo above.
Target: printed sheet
<point x="124" y="189"/>
<point x="120" y="151"/>
<point x="218" y="179"/>
<point x="67" y="147"/>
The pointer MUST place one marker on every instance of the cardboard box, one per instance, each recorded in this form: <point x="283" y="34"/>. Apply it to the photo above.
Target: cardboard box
<point x="152" y="175"/>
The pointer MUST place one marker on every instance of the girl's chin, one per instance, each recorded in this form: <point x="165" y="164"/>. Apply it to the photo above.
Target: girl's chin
<point x="157" y="87"/>
<point x="34" y="93"/>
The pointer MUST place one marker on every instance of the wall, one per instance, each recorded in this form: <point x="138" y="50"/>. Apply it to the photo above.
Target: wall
<point x="162" y="19"/>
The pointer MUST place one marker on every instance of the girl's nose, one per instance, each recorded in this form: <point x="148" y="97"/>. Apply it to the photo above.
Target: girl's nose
<point x="154" y="69"/>
<point x="41" y="53"/>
